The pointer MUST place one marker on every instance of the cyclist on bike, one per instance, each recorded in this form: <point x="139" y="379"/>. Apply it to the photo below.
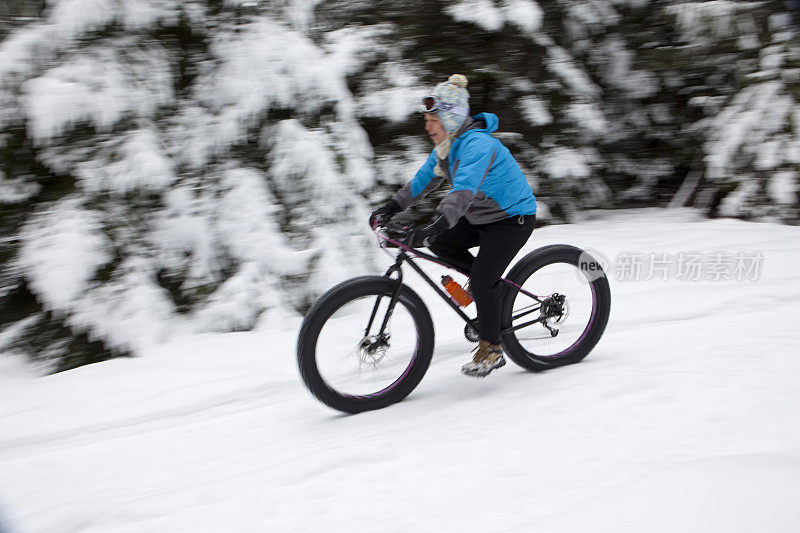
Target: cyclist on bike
<point x="491" y="205"/>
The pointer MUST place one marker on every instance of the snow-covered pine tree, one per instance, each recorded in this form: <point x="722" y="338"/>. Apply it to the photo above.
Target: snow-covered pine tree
<point x="204" y="160"/>
<point x="603" y="97"/>
<point x="575" y="102"/>
<point x="745" y="58"/>
<point x="171" y="167"/>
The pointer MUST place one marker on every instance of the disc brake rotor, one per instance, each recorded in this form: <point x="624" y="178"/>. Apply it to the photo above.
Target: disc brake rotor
<point x="553" y="312"/>
<point x="372" y="349"/>
<point x="562" y="316"/>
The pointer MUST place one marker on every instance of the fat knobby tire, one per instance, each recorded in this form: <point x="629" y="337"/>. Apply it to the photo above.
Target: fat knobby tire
<point x="326" y="306"/>
<point x="527" y="266"/>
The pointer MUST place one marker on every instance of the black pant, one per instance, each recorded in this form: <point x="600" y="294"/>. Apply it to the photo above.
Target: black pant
<point x="499" y="242"/>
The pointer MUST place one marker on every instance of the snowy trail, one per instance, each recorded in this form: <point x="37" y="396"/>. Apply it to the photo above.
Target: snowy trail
<point x="684" y="418"/>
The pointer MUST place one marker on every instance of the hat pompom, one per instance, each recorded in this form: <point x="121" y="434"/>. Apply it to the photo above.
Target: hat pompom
<point x="459" y="80"/>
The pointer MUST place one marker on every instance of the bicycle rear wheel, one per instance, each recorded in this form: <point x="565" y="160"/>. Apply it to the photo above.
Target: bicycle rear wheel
<point x="557" y="308"/>
<point x="343" y="359"/>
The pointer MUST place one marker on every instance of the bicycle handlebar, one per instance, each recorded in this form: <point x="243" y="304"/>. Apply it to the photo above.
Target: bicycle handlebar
<point x="416" y="253"/>
<point x="376" y="229"/>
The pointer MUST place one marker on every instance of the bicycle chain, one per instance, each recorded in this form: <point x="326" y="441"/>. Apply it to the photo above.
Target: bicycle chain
<point x="543" y="337"/>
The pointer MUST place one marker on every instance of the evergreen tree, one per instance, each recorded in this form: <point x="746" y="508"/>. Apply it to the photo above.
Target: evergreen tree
<point x="169" y="167"/>
<point x="181" y="166"/>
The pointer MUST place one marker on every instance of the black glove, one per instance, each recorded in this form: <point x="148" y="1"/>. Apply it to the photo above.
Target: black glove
<point x="384" y="213"/>
<point x="424" y="236"/>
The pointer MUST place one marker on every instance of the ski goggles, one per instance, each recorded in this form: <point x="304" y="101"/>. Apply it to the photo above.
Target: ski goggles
<point x="431" y="104"/>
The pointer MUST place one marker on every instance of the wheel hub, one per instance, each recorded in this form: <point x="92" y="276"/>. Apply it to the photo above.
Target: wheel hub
<point x="372" y="349"/>
<point x="555" y="309"/>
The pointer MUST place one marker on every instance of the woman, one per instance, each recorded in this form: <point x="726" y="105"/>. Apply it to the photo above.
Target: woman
<point x="490" y="205"/>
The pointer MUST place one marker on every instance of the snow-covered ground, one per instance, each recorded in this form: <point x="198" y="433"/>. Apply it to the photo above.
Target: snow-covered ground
<point x="686" y="417"/>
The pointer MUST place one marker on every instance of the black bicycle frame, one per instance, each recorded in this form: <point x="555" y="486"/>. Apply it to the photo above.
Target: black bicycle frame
<point x="403" y="257"/>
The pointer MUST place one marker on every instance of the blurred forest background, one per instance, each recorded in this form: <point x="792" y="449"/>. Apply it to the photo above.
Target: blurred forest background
<point x="188" y="166"/>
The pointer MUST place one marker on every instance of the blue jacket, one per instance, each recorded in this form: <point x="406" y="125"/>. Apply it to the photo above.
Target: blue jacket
<point x="487" y="184"/>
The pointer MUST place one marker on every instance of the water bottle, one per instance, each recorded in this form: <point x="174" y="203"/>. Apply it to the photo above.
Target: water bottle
<point x="459" y="295"/>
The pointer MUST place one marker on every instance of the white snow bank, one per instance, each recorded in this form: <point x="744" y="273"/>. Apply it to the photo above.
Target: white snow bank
<point x="683" y="418"/>
<point x="727" y="493"/>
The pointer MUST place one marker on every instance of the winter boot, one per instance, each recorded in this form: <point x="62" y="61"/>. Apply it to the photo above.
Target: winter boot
<point x="487" y="357"/>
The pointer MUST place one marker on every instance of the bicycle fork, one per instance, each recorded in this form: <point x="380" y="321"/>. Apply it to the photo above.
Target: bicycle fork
<point x="381" y="339"/>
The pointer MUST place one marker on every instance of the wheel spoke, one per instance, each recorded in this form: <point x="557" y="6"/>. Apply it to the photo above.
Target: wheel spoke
<point x="377" y="361"/>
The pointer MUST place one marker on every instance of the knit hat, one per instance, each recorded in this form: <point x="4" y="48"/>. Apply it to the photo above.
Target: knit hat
<point x="454" y="92"/>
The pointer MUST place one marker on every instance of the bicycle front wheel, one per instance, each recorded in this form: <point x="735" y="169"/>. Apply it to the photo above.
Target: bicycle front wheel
<point x="356" y="354"/>
<point x="555" y="309"/>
